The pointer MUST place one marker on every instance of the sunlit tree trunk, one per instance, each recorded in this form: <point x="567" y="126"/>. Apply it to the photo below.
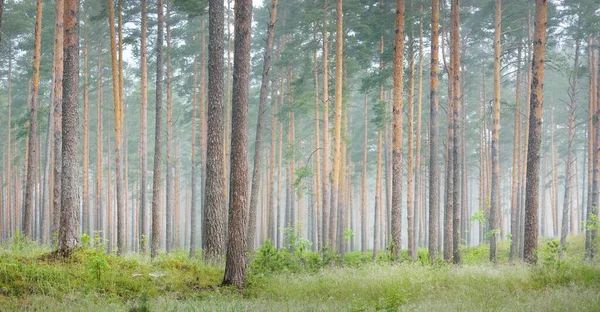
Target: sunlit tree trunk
<point x="70" y="217"/>
<point x="535" y="132"/>
<point x="33" y="125"/>
<point x="326" y="143"/>
<point x="410" y="209"/>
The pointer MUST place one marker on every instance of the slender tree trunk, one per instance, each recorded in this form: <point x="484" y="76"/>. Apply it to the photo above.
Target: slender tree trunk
<point x="434" y="173"/>
<point x="590" y="142"/>
<point x="70" y="217"/>
<point x="495" y="198"/>
<point x="33" y="125"/>
<point x="516" y="165"/>
<point x="9" y="158"/>
<point x="326" y="144"/>
<point x="567" y="205"/>
<point x="214" y="221"/>
<point x="553" y="187"/>
<point x="260" y="127"/>
<point x="363" y="191"/>
<point x="535" y="132"/>
<point x="86" y="225"/>
<point x="193" y="212"/>
<point x="203" y="130"/>
<point x="169" y="146"/>
<point x="235" y="266"/>
<point x="410" y="209"/>
<point x="418" y="204"/>
<point x="143" y="130"/>
<point x="156" y="226"/>
<point x="377" y="209"/>
<point x="596" y="177"/>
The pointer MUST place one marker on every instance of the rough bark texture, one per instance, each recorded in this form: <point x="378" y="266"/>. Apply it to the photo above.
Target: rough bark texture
<point x="33" y="125"/>
<point x="69" y="219"/>
<point x="434" y="173"/>
<point x="410" y="195"/>
<point x="258" y="152"/>
<point x="213" y="244"/>
<point x="397" y="138"/>
<point x="158" y="135"/>
<point x="456" y="158"/>
<point x="495" y="198"/>
<point x="86" y="137"/>
<point x="535" y="132"/>
<point x="235" y="266"/>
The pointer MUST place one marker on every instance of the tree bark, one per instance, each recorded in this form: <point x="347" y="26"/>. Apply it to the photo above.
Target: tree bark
<point x="235" y="266"/>
<point x="193" y="212"/>
<point x="70" y="217"/>
<point x="410" y="209"/>
<point x="214" y="221"/>
<point x="535" y="132"/>
<point x="516" y="165"/>
<point x="434" y="173"/>
<point x="86" y="224"/>
<point x="169" y="148"/>
<point x="495" y="198"/>
<point x="326" y="144"/>
<point x="156" y="226"/>
<point x="260" y="126"/>
<point x="143" y="130"/>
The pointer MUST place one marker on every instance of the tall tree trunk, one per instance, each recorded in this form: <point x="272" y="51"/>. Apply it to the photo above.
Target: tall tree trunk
<point x="326" y="144"/>
<point x="516" y="165"/>
<point x="590" y="142"/>
<point x="156" y="226"/>
<point x="553" y="187"/>
<point x="99" y="206"/>
<point x="33" y="125"/>
<point x="535" y="132"/>
<point x="363" y="185"/>
<point x="70" y="217"/>
<point x="410" y="209"/>
<point x="9" y="157"/>
<point x="337" y="122"/>
<point x="86" y="225"/>
<point x="169" y="150"/>
<point x="235" y="266"/>
<point x="260" y="127"/>
<point x="143" y="130"/>
<point x="213" y="244"/>
<point x="193" y="212"/>
<point x="567" y="205"/>
<point x="592" y="251"/>
<point x="119" y="157"/>
<point x="434" y="173"/>
<point x="495" y="198"/>
<point x="456" y="101"/>
<point x="418" y="203"/>
<point x="377" y="209"/>
<point x="397" y="133"/>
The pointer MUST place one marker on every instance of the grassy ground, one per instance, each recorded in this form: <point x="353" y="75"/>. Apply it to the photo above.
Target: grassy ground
<point x="297" y="281"/>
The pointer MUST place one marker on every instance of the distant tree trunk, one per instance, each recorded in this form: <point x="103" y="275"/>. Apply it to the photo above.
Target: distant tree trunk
<point x="553" y="187"/>
<point x="99" y="220"/>
<point x="418" y="204"/>
<point x="1" y="11"/>
<point x="596" y="178"/>
<point x="260" y="127"/>
<point x="86" y="225"/>
<point x="434" y="173"/>
<point x="326" y="144"/>
<point x="410" y="195"/>
<point x="213" y="244"/>
<point x="193" y="212"/>
<point x="363" y="185"/>
<point x="9" y="194"/>
<point x="590" y="143"/>
<point x="456" y="101"/>
<point x="515" y="186"/>
<point x="377" y="209"/>
<point x="158" y="135"/>
<point x="143" y="130"/>
<point x="317" y="187"/>
<point x="33" y="125"/>
<point x="337" y="123"/>
<point x="495" y="200"/>
<point x="69" y="219"/>
<point x="235" y="267"/>
<point x="169" y="150"/>
<point x="117" y="119"/>
<point x="535" y="132"/>
<point x="119" y="157"/>
<point x="567" y="205"/>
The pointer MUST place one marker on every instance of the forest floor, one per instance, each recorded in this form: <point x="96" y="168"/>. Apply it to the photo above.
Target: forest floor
<point x="297" y="281"/>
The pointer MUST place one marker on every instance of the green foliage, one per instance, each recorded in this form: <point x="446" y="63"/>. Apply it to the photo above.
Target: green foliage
<point x="302" y="174"/>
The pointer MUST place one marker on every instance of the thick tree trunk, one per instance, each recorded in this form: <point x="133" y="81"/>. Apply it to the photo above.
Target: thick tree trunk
<point x="33" y="125"/>
<point x="260" y="127"/>
<point x="535" y="132"/>
<point x="213" y="244"/>
<point x="235" y="266"/>
<point x="69" y="219"/>
<point x="156" y="185"/>
<point x="434" y="173"/>
<point x="86" y="224"/>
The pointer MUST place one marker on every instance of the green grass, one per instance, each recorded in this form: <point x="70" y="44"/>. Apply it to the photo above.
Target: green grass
<point x="297" y="280"/>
